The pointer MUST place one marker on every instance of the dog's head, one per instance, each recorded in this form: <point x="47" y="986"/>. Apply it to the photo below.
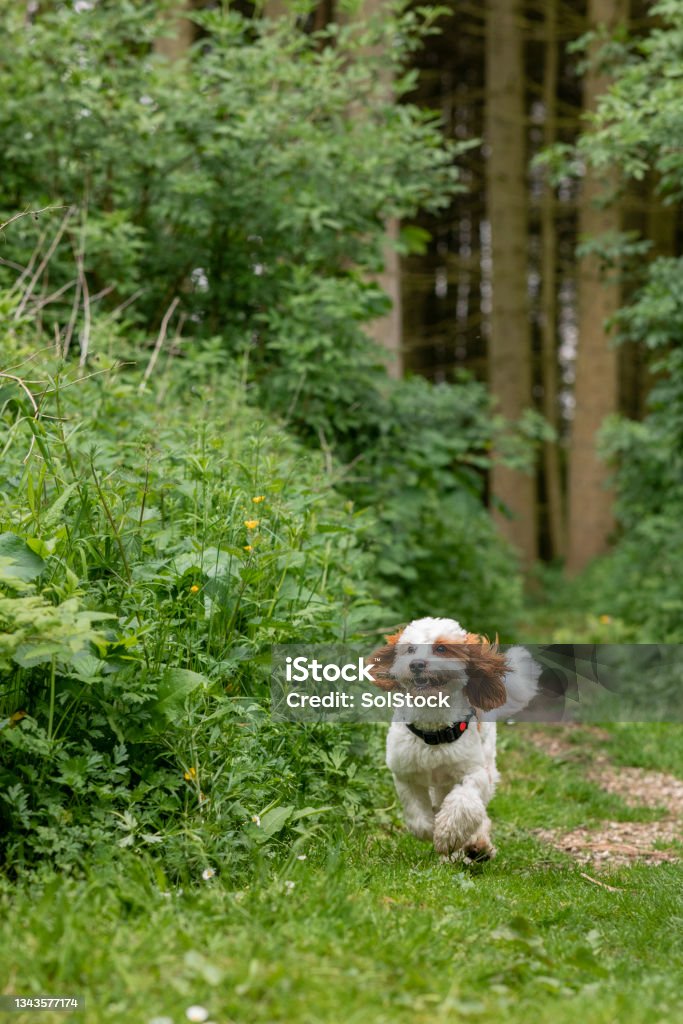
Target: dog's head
<point x="430" y="655"/>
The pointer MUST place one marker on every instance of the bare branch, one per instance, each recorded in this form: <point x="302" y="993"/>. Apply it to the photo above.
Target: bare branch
<point x="124" y="305"/>
<point x="101" y="294"/>
<point x="43" y="263"/>
<point x="24" y="388"/>
<point x="12" y="264"/>
<point x="596" y="881"/>
<point x="72" y="320"/>
<point x="159" y="343"/>
<point x="55" y="295"/>
<point x="28" y="269"/>
<point x="85" y="334"/>
<point x="27" y="212"/>
<point x="28" y="359"/>
<point x="34" y="405"/>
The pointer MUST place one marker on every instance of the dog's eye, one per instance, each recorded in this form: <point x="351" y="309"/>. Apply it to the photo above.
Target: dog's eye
<point x="411" y="649"/>
<point x="440" y="648"/>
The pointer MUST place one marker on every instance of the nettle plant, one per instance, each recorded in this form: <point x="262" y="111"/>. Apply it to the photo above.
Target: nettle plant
<point x="151" y="550"/>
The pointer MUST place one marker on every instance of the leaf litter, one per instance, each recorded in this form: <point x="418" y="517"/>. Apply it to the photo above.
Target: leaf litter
<point x="615" y="843"/>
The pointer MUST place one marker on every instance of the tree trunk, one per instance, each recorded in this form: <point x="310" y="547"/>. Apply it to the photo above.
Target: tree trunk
<point x="597" y="364"/>
<point x="276" y="8"/>
<point x="387" y="331"/>
<point x="509" y="345"/>
<point x="549" y="367"/>
<point x="175" y="45"/>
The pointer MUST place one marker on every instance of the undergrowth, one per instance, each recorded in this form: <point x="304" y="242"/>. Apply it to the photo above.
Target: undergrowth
<point x="153" y="544"/>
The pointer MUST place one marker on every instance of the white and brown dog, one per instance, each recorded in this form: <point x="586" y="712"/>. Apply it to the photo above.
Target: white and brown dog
<point x="444" y="760"/>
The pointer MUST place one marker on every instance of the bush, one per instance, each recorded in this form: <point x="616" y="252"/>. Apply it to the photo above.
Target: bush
<point x="294" y="156"/>
<point x="258" y="178"/>
<point x="150" y="552"/>
<point x="421" y="466"/>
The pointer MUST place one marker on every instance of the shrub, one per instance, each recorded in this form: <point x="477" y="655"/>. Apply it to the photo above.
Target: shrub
<point x="294" y="156"/>
<point x="150" y="552"/>
<point x="267" y="163"/>
<point x="422" y="468"/>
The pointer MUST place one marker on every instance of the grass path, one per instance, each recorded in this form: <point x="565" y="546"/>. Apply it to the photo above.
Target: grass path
<point x="611" y="843"/>
<point x="374" y="929"/>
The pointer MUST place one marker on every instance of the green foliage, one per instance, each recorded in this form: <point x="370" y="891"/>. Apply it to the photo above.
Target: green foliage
<point x="421" y="467"/>
<point x="150" y="552"/>
<point x="268" y="163"/>
<point x="154" y="544"/>
<point x="258" y="176"/>
<point x="641" y="113"/>
<point x="636" y="121"/>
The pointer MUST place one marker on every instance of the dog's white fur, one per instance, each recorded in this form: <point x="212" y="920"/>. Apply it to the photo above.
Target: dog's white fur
<point x="445" y="788"/>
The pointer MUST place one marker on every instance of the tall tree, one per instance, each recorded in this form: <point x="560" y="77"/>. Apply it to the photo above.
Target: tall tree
<point x="549" y="367"/>
<point x="597" y="365"/>
<point x="658" y="223"/>
<point x="181" y="31"/>
<point x="387" y="331"/>
<point x="509" y="343"/>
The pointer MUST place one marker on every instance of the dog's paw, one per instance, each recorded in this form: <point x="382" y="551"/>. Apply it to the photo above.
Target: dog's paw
<point x="457" y="821"/>
<point x="449" y="837"/>
<point x="479" y="848"/>
<point x="456" y="857"/>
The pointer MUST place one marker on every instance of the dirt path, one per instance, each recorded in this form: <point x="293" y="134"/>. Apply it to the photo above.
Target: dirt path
<point x="615" y="843"/>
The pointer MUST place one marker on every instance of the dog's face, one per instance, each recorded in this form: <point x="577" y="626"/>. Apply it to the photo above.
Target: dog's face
<point x="430" y="655"/>
<point x="429" y="667"/>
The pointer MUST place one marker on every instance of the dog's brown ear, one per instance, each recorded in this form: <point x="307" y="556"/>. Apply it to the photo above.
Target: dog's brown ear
<point x="382" y="660"/>
<point x="380" y="666"/>
<point x="486" y="668"/>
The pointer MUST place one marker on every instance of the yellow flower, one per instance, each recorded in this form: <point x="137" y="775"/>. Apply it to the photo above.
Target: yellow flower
<point x="248" y="547"/>
<point x="191" y="774"/>
<point x="605" y="619"/>
<point x="251" y="524"/>
<point x="258" y="498"/>
<point x="194" y="589"/>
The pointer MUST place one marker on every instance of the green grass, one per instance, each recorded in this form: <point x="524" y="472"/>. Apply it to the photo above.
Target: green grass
<point x="375" y="928"/>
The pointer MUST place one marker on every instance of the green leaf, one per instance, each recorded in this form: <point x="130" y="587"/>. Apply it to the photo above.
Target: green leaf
<point x="308" y="812"/>
<point x="53" y="514"/>
<point x="175" y="686"/>
<point x="17" y="561"/>
<point x="274" y="820"/>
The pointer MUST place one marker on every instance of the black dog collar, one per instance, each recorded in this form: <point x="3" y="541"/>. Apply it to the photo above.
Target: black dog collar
<point x="449" y="734"/>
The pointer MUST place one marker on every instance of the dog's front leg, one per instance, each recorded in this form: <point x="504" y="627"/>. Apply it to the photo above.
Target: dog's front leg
<point x="462" y="822"/>
<point x="413" y="792"/>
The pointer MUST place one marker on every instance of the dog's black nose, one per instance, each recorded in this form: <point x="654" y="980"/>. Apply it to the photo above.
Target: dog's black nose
<point x="418" y="666"/>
